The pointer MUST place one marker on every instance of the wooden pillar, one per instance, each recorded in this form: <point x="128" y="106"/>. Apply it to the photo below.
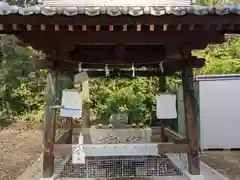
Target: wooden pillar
<point x="162" y="89"/>
<point x="70" y="132"/>
<point x="69" y="139"/>
<point x="190" y="121"/>
<point x="86" y="113"/>
<point x="49" y="123"/>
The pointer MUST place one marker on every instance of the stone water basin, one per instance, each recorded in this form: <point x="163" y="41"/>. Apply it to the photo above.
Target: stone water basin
<point x="106" y="135"/>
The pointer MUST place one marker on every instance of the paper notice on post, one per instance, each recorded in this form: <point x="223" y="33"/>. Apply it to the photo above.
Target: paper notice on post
<point x="71" y="99"/>
<point x="78" y="155"/>
<point x="71" y="103"/>
<point x="166" y="106"/>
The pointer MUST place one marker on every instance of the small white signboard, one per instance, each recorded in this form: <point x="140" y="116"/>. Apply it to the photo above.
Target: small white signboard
<point x="78" y="154"/>
<point x="166" y="106"/>
<point x="71" y="103"/>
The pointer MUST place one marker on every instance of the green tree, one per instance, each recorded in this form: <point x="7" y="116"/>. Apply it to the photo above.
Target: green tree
<point x="20" y="83"/>
<point x="135" y="96"/>
<point x="214" y="2"/>
<point x="222" y="58"/>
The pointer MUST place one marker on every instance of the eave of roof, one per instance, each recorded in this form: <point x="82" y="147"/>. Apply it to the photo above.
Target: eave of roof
<point x="6" y="9"/>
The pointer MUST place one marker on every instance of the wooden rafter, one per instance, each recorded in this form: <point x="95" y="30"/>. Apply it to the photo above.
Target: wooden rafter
<point x="14" y="28"/>
<point x="119" y="20"/>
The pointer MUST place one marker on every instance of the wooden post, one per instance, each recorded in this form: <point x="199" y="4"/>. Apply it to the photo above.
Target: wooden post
<point x="69" y="139"/>
<point x="70" y="133"/>
<point x="190" y="121"/>
<point x="162" y="89"/>
<point x="86" y="113"/>
<point x="49" y="123"/>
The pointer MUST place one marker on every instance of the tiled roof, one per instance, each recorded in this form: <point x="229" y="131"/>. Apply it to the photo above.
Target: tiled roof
<point x="6" y="9"/>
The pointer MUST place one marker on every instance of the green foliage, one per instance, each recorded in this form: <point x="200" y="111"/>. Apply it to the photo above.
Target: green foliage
<point x="22" y="2"/>
<point x="214" y="2"/>
<point x="135" y="97"/>
<point x="221" y="59"/>
<point x="21" y="85"/>
<point x="32" y="116"/>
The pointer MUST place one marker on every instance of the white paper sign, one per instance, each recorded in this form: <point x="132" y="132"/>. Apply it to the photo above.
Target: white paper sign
<point x="72" y="99"/>
<point x="78" y="154"/>
<point x="166" y="106"/>
<point x="72" y="103"/>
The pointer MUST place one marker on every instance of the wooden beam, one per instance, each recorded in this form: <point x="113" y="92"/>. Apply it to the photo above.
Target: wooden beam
<point x="173" y="135"/>
<point x="181" y="141"/>
<point x="169" y="66"/>
<point x="70" y="132"/>
<point x="8" y="28"/>
<point x="69" y="139"/>
<point x="49" y="124"/>
<point x="162" y="84"/>
<point x="156" y="130"/>
<point x="37" y="19"/>
<point x="86" y="106"/>
<point x="127" y="53"/>
<point x="162" y="89"/>
<point x="52" y="61"/>
<point x="66" y="149"/>
<point x="190" y="121"/>
<point x="62" y="138"/>
<point x="173" y="148"/>
<point x="61" y="41"/>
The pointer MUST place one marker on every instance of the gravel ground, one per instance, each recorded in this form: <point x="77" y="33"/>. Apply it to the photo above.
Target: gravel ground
<point x="225" y="162"/>
<point x="34" y="172"/>
<point x="18" y="150"/>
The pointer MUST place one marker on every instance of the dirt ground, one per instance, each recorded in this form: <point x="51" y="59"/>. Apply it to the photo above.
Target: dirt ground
<point x="19" y="148"/>
<point x="225" y="162"/>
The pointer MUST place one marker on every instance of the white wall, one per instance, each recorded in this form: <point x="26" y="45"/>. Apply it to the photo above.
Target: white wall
<point x="220" y="113"/>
